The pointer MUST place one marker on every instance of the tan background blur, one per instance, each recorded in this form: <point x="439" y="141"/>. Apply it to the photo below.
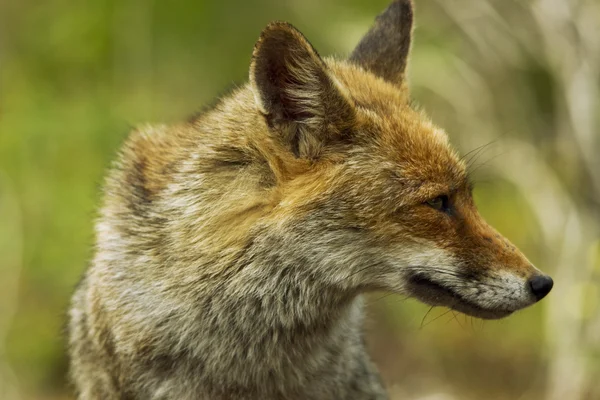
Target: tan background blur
<point x="521" y="77"/>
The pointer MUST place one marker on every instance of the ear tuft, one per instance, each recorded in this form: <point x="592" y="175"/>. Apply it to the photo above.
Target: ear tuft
<point x="385" y="48"/>
<point x="295" y="91"/>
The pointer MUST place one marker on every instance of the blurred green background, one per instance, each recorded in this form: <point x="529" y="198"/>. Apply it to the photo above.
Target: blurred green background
<point x="521" y="77"/>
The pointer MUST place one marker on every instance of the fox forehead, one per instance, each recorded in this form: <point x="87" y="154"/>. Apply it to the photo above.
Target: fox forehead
<point x="398" y="136"/>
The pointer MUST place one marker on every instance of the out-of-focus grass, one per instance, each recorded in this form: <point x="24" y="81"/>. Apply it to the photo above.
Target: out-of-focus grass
<point x="75" y="76"/>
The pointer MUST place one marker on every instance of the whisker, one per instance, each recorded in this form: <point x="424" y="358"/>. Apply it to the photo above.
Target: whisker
<point x="425" y="316"/>
<point x="485" y="163"/>
<point x="451" y="317"/>
<point x="436" y="318"/>
<point x="456" y="318"/>
<point x="381" y="298"/>
<point x="476" y="151"/>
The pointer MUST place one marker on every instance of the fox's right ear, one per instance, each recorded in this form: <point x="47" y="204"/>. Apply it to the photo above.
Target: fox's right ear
<point x="295" y="91"/>
<point x="384" y="49"/>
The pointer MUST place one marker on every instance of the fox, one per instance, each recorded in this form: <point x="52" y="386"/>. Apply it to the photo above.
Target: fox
<point x="234" y="250"/>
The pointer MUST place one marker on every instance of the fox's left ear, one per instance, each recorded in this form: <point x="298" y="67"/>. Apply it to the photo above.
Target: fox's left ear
<point x="301" y="100"/>
<point x="384" y="49"/>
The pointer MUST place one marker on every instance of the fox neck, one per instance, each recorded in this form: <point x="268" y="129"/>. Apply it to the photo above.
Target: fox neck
<point x="279" y="325"/>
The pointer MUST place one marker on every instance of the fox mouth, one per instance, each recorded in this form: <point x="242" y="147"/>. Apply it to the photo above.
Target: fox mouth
<point x="434" y="293"/>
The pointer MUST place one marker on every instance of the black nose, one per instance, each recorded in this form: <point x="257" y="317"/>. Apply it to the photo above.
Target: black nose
<point x="541" y="286"/>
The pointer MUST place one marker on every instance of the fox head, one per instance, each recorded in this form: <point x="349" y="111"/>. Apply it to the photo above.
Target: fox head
<point x="365" y="190"/>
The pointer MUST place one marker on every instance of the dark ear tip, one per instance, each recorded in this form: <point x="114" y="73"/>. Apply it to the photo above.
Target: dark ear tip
<point x="385" y="47"/>
<point x="279" y="25"/>
<point x="404" y="4"/>
<point x="400" y="9"/>
<point x="281" y="30"/>
<point x="278" y="36"/>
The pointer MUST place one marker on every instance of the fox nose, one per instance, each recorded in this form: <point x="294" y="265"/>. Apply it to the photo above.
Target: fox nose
<point x="540" y="286"/>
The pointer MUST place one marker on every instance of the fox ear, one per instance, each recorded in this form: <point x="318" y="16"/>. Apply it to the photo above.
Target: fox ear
<point x="295" y="91"/>
<point x="384" y="49"/>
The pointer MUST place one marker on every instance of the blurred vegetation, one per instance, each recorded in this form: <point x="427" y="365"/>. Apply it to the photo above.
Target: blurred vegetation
<point x="520" y="77"/>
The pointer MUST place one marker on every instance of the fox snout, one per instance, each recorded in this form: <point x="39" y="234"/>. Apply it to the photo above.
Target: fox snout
<point x="484" y="295"/>
<point x="469" y="266"/>
<point x="511" y="261"/>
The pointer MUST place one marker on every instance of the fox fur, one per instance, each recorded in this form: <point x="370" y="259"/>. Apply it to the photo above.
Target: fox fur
<point x="233" y="250"/>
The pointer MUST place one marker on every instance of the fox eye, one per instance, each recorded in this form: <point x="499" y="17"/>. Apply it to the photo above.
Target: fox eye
<point x="439" y="203"/>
